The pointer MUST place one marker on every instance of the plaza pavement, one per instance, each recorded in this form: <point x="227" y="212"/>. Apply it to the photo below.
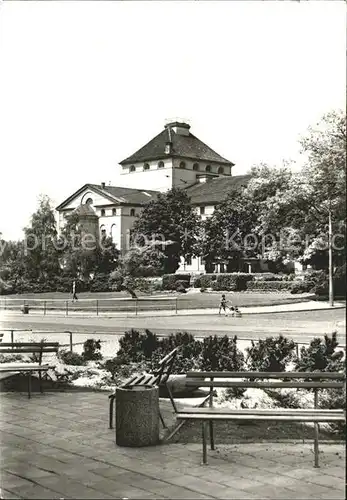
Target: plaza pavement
<point x="58" y="445"/>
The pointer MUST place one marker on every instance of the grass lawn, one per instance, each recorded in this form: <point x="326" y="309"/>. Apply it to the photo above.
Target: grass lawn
<point x="162" y="300"/>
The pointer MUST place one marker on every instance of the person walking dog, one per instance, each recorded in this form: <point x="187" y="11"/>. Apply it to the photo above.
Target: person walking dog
<point x="74" y="295"/>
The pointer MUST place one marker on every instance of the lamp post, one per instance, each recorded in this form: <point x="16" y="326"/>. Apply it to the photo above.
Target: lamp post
<point x="331" y="281"/>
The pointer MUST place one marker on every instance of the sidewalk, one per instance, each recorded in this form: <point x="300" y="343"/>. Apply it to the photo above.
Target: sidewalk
<point x="58" y="445"/>
<point x="280" y="308"/>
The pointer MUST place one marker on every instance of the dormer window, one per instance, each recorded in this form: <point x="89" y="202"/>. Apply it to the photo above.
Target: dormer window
<point x="183" y="164"/>
<point x="102" y="212"/>
<point x="221" y="170"/>
<point x="208" y="168"/>
<point x="161" y="164"/>
<point x="132" y="168"/>
<point x="146" y="166"/>
<point x="196" y="166"/>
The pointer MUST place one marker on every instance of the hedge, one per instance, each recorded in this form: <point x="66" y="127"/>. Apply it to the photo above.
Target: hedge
<point x="232" y="281"/>
<point x="270" y="285"/>
<point x="169" y="281"/>
<point x="205" y="281"/>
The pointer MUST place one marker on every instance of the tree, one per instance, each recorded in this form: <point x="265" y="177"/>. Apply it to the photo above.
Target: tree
<point x="240" y="226"/>
<point x="315" y="203"/>
<point x="172" y="220"/>
<point x="41" y="259"/>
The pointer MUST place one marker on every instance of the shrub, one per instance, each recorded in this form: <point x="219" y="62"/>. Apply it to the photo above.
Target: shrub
<point x="188" y="355"/>
<point x="232" y="281"/>
<point x="321" y="356"/>
<point x="302" y="287"/>
<point x="115" y="281"/>
<point x="271" y="286"/>
<point x="181" y="284"/>
<point x="205" y="281"/>
<point x="11" y="358"/>
<point x="71" y="358"/>
<point x="136" y="346"/>
<point x="270" y="355"/>
<point x="100" y="283"/>
<point x="117" y="367"/>
<point x="91" y="350"/>
<point x="169" y="280"/>
<point x="221" y="354"/>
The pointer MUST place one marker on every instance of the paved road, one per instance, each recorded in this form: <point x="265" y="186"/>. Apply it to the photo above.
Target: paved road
<point x="301" y="326"/>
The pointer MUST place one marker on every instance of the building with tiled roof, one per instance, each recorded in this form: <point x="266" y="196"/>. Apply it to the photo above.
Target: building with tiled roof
<point x="174" y="158"/>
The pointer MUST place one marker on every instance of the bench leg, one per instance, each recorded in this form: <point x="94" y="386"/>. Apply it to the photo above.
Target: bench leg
<point x="204" y="444"/>
<point x="111" y="412"/>
<point x="40" y="379"/>
<point x="162" y="420"/>
<point x="29" y="385"/>
<point x="211" y="435"/>
<point x="316" y="449"/>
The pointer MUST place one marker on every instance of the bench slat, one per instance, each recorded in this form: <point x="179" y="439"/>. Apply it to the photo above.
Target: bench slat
<point x="278" y="385"/>
<point x="21" y="350"/>
<point x="28" y="344"/>
<point x="319" y="417"/>
<point x="256" y="411"/>
<point x="24" y="367"/>
<point x="314" y="375"/>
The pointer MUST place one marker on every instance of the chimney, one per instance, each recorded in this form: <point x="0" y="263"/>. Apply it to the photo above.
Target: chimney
<point x="179" y="127"/>
<point x="103" y="185"/>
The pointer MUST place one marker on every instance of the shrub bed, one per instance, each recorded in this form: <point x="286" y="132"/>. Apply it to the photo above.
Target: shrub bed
<point x="234" y="282"/>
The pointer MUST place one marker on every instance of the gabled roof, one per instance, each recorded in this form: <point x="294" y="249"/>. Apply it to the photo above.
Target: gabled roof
<point x="215" y="190"/>
<point x="183" y="146"/>
<point x="115" y="195"/>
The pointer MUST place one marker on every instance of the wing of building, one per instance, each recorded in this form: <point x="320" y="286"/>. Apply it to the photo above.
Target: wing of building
<point x="174" y="158"/>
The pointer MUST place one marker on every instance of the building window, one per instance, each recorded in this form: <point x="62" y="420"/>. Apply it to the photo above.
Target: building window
<point x="113" y="232"/>
<point x="114" y="211"/>
<point x="132" y="212"/>
<point x="132" y="168"/>
<point x="183" y="164"/>
<point x="161" y="164"/>
<point x="146" y="166"/>
<point x="221" y="170"/>
<point x="188" y="261"/>
<point x="102" y="231"/>
<point x="102" y="212"/>
<point x="89" y="201"/>
<point x="196" y="166"/>
<point x="202" y="210"/>
<point x="208" y="168"/>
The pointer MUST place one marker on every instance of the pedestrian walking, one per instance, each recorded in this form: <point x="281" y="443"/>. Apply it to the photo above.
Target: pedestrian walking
<point x="74" y="295"/>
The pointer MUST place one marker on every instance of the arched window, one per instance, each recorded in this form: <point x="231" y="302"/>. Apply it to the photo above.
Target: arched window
<point x="161" y="164"/>
<point x="114" y="211"/>
<point x="132" y="212"/>
<point x="102" y="231"/>
<point x="146" y="166"/>
<point x="208" y="168"/>
<point x="102" y="212"/>
<point x="221" y="170"/>
<point x="89" y="201"/>
<point x="196" y="166"/>
<point x="183" y="164"/>
<point x="132" y="168"/>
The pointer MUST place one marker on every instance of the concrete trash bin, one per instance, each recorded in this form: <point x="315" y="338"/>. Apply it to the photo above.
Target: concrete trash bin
<point x="137" y="416"/>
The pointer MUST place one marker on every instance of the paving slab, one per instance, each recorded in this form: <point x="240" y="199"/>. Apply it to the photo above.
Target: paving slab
<point x="58" y="445"/>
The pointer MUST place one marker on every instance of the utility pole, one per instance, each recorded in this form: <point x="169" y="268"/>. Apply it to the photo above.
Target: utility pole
<point x="331" y="282"/>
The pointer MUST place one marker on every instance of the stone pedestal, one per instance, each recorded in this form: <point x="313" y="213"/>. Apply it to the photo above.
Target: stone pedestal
<point x="137" y="416"/>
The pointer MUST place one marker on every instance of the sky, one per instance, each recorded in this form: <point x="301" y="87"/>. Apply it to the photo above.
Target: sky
<point x="85" y="84"/>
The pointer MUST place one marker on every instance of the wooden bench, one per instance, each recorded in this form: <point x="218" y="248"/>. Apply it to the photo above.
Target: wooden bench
<point x="36" y="348"/>
<point x="158" y="378"/>
<point x="315" y="380"/>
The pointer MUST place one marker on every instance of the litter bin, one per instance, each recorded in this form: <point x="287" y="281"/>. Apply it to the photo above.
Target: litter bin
<point x="25" y="309"/>
<point x="137" y="416"/>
